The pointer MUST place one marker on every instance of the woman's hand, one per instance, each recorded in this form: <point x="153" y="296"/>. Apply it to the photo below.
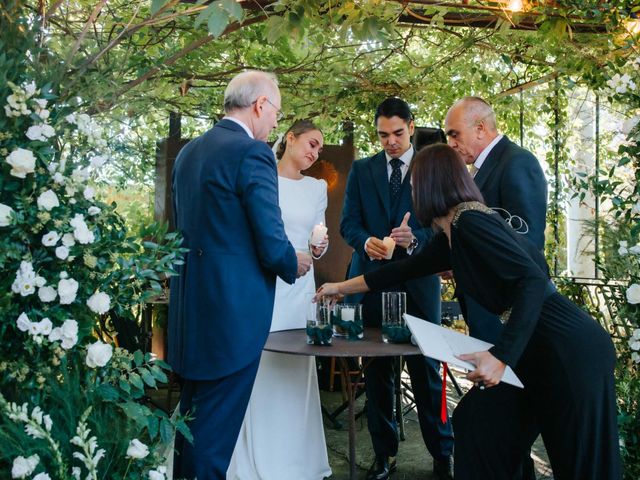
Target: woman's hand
<point x="489" y="369"/>
<point x="331" y="290"/>
<point x="318" y="250"/>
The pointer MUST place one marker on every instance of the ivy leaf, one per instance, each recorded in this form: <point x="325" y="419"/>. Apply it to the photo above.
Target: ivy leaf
<point x="153" y="424"/>
<point x="136" y="381"/>
<point x="166" y="430"/>
<point x="138" y="358"/>
<point x="218" y="22"/>
<point x="148" y="378"/>
<point x="234" y="9"/>
<point x="156" y="5"/>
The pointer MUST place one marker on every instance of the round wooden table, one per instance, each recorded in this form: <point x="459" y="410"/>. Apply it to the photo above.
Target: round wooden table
<point x="294" y="342"/>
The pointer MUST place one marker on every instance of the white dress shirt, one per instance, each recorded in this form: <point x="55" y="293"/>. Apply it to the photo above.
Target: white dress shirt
<point x="485" y="153"/>
<point x="242" y="124"/>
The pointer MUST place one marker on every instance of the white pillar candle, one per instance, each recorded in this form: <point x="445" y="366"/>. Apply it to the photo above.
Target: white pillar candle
<point x="318" y="233"/>
<point x="347" y="314"/>
<point x="390" y="244"/>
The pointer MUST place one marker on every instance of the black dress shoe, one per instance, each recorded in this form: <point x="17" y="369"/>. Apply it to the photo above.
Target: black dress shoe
<point x="443" y="469"/>
<point x="381" y="468"/>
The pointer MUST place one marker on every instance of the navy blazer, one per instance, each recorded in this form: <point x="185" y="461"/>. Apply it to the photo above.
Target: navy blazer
<point x="367" y="213"/>
<point x="225" y="197"/>
<point x="511" y="178"/>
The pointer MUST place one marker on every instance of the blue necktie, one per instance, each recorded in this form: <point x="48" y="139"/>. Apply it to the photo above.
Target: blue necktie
<point x="395" y="181"/>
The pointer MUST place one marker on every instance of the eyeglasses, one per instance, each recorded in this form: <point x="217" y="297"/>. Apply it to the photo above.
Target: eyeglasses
<point x="279" y="113"/>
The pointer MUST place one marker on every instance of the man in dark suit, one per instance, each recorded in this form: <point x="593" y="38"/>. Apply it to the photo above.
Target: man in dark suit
<point x="512" y="182"/>
<point x="377" y="204"/>
<point x="510" y="179"/>
<point x="225" y="197"/>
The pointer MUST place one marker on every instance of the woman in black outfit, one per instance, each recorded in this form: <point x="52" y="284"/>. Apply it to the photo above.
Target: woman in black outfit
<point x="564" y="358"/>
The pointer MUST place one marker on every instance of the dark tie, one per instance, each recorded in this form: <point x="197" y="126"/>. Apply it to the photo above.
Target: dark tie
<point x="395" y="181"/>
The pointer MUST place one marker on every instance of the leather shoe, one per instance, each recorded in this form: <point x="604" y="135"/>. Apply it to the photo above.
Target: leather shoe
<point x="443" y="469"/>
<point x="381" y="468"/>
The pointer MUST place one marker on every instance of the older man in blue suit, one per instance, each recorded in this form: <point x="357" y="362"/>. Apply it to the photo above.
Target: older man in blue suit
<point x="377" y="204"/>
<point x="225" y="196"/>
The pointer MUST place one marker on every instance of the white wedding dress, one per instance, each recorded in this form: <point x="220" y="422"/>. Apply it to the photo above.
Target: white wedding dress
<point x="282" y="437"/>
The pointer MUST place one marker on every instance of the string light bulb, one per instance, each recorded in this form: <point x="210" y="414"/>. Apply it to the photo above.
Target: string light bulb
<point x="515" y="6"/>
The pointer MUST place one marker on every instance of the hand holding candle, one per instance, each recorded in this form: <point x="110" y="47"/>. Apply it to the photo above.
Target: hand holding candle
<point x="390" y="244"/>
<point x="318" y="234"/>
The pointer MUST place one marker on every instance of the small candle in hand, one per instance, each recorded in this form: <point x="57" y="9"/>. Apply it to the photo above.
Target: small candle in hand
<point x="318" y="233"/>
<point x="390" y="244"/>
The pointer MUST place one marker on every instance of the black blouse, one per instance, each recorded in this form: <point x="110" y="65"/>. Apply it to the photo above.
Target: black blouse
<point x="499" y="268"/>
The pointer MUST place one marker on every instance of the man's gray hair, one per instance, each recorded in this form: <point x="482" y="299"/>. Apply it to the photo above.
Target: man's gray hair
<point x="478" y="110"/>
<point x="246" y="87"/>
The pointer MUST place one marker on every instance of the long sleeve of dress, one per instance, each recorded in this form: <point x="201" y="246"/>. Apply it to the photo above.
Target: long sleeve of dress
<point x="488" y="239"/>
<point x="433" y="258"/>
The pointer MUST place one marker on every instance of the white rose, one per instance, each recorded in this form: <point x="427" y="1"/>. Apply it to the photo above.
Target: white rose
<point x="40" y="281"/>
<point x="635" y="345"/>
<point x="156" y="475"/>
<point x="89" y="193"/>
<point x="629" y="125"/>
<point x="59" y="178"/>
<point x="99" y="303"/>
<point x="98" y="161"/>
<point x="50" y="239"/>
<point x="62" y="252"/>
<point x="5" y="215"/>
<point x="635" y="250"/>
<point x="68" y="333"/>
<point x="47" y="294"/>
<point x="635" y="356"/>
<point x="44" y="326"/>
<point x="67" y="289"/>
<point x="633" y="294"/>
<point x="48" y="200"/>
<point x="98" y="355"/>
<point x="80" y="175"/>
<point x="93" y="210"/>
<point x="23" y="467"/>
<point x="636" y="334"/>
<point x="137" y="449"/>
<point x="68" y="240"/>
<point x="22" y="161"/>
<point x="29" y="89"/>
<point x="71" y="118"/>
<point x="42" y="476"/>
<point x="636" y="208"/>
<point x="23" y="323"/>
<point x="47" y="130"/>
<point x="34" y="132"/>
<point x="63" y="274"/>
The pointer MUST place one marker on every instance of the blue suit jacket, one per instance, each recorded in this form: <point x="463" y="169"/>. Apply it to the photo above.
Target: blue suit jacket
<point x="367" y="213"/>
<point x="511" y="178"/>
<point x="225" y="194"/>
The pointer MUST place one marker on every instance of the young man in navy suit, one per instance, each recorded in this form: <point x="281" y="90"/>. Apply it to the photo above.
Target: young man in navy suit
<point x="378" y="204"/>
<point x="225" y="198"/>
<point x="511" y="181"/>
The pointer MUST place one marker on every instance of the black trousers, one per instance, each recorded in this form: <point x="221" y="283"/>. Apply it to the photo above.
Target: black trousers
<point x="426" y="385"/>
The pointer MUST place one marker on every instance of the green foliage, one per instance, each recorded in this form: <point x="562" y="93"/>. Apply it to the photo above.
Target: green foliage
<point x="71" y="405"/>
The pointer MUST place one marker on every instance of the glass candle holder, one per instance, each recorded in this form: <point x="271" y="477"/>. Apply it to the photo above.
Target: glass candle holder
<point x="394" y="328"/>
<point x="319" y="329"/>
<point x="347" y="321"/>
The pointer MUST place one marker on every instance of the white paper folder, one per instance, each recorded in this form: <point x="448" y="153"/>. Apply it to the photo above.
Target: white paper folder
<point x="444" y="344"/>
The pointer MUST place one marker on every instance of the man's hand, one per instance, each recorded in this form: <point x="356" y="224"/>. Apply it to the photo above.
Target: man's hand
<point x="304" y="263"/>
<point x="489" y="369"/>
<point x="375" y="248"/>
<point x="403" y="234"/>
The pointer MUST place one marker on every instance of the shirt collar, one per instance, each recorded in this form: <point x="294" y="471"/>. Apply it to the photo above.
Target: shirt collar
<point x="242" y="124"/>
<point x="406" y="157"/>
<point x="485" y="153"/>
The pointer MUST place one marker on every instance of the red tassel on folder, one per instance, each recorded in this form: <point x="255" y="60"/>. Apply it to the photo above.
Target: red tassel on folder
<point x="443" y="403"/>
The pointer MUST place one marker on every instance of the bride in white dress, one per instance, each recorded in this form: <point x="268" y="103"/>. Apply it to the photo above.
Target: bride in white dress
<point x="282" y="437"/>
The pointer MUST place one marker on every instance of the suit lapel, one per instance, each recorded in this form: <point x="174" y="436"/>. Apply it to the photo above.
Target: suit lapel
<point x="381" y="179"/>
<point x="491" y="162"/>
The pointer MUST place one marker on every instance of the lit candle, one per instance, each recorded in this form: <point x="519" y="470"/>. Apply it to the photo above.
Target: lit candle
<point x="347" y="314"/>
<point x="390" y="245"/>
<point x="318" y="233"/>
